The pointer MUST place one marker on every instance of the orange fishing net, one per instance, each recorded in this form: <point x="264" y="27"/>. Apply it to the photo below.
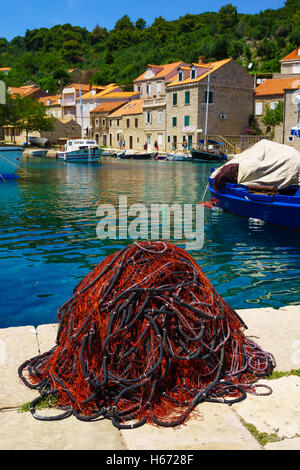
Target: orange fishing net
<point x="146" y="338"/>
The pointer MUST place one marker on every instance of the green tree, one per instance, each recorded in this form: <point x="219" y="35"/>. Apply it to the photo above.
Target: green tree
<point x="32" y="115"/>
<point x="227" y="16"/>
<point x="273" y="117"/>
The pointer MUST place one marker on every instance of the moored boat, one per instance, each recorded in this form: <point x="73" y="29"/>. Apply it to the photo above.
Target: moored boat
<point x="39" y="153"/>
<point x="38" y="141"/>
<point x="179" y="157"/>
<point x="212" y="152"/>
<point x="80" y="151"/>
<point x="263" y="183"/>
<point x="131" y="155"/>
<point x="10" y="158"/>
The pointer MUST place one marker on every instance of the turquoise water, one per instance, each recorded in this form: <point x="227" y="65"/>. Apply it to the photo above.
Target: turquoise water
<point x="48" y="239"/>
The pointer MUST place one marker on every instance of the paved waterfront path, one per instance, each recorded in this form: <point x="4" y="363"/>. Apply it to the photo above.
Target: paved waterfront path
<point x="218" y="426"/>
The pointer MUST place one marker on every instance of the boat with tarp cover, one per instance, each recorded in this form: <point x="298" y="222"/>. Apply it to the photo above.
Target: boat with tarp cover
<point x="261" y="183"/>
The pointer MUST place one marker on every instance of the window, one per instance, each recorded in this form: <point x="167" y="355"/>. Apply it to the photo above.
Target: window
<point x="258" y="109"/>
<point x="187" y="97"/>
<point x="96" y="122"/>
<point x="180" y="76"/>
<point x="296" y="68"/>
<point x="110" y="122"/>
<point x="118" y="122"/>
<point x="136" y="122"/>
<point x="103" y="122"/>
<point x="148" y="89"/>
<point x="128" y="122"/>
<point x="169" y="138"/>
<point x="174" y="99"/>
<point x="210" y="98"/>
<point x="186" y="120"/>
<point x="158" y="87"/>
<point x="193" y="73"/>
<point x="138" y="88"/>
<point x="148" y="117"/>
<point x="159" y="117"/>
<point x="174" y="121"/>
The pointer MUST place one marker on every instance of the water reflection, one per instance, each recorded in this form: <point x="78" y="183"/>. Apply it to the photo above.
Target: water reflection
<point x="48" y="236"/>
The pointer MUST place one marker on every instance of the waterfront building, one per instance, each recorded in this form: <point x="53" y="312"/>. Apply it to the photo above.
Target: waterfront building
<point x="100" y="121"/>
<point x="152" y="88"/>
<point x="126" y="125"/>
<point x="229" y="102"/>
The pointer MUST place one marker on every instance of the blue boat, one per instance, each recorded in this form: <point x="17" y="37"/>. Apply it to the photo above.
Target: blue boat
<point x="10" y="159"/>
<point x="276" y="209"/>
<point x="262" y="183"/>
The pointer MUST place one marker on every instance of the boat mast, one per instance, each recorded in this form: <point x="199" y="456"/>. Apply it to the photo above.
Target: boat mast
<point x="207" y="101"/>
<point x="81" y="112"/>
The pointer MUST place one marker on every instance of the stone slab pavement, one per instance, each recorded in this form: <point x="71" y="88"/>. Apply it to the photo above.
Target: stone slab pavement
<point x="216" y="426"/>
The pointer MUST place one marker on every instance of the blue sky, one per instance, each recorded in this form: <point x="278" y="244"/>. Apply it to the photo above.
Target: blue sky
<point x="18" y="15"/>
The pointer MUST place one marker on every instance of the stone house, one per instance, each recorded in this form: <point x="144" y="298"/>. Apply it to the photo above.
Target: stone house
<point x="53" y="105"/>
<point x="230" y="102"/>
<point x="126" y="124"/>
<point x="152" y="86"/>
<point x="290" y="65"/>
<point x="89" y="101"/>
<point x="100" y="121"/>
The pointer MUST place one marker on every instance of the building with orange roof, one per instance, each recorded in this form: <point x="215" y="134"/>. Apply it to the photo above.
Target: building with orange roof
<point x="269" y="94"/>
<point x="230" y="102"/>
<point x="100" y="121"/>
<point x="52" y="104"/>
<point x="290" y="64"/>
<point x="5" y="70"/>
<point x="152" y="86"/>
<point x="126" y="125"/>
<point x="96" y="96"/>
<point x="32" y="90"/>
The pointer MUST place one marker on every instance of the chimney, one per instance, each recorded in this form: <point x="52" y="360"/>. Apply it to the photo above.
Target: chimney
<point x="202" y="59"/>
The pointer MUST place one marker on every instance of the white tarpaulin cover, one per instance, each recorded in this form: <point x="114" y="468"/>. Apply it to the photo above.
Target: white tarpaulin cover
<point x="268" y="163"/>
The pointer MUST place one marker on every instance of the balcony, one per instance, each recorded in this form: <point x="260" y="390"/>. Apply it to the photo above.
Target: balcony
<point x="154" y="102"/>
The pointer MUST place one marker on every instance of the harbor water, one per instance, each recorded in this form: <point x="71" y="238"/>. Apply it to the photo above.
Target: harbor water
<point x="48" y="239"/>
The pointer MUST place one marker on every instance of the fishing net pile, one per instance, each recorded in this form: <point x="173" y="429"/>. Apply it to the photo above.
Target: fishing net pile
<point x="227" y="174"/>
<point x="145" y="338"/>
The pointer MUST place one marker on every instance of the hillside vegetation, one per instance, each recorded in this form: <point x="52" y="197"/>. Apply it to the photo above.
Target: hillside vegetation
<point x="121" y="54"/>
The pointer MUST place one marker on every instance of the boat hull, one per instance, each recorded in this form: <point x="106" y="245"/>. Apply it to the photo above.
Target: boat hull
<point x="274" y="209"/>
<point x="38" y="153"/>
<point x="10" y="159"/>
<point x="80" y="156"/>
<point x="138" y="156"/>
<point x="207" y="157"/>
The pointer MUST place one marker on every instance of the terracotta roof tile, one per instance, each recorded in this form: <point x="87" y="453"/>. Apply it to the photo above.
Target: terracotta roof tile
<point x="276" y="86"/>
<point x="163" y="70"/>
<point x="132" y="107"/>
<point x="214" y="66"/>
<point x="292" y="55"/>
<point x="108" y="106"/>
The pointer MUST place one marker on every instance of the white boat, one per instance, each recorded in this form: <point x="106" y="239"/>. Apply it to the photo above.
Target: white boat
<point x="179" y="157"/>
<point x="10" y="159"/>
<point x="38" y="141"/>
<point x="80" y="151"/>
<point x="39" y="153"/>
